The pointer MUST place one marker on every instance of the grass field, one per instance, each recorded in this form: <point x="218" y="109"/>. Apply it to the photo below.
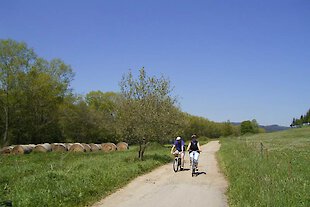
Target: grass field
<point x="276" y="173"/>
<point x="72" y="179"/>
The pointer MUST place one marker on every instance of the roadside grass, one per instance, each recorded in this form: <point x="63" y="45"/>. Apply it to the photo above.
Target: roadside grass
<point x="72" y="179"/>
<point x="276" y="173"/>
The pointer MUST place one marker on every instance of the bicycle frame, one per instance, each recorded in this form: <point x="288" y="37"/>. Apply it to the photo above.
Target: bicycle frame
<point x="177" y="161"/>
<point x="194" y="164"/>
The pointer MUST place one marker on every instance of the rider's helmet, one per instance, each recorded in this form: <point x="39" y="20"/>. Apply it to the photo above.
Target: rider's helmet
<point x="194" y="136"/>
<point x="178" y="138"/>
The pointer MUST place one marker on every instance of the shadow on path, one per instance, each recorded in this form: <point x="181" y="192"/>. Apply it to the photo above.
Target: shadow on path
<point x="200" y="173"/>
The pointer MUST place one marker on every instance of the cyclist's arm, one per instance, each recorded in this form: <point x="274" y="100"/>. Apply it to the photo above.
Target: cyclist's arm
<point x="198" y="145"/>
<point x="183" y="146"/>
<point x="172" y="149"/>
<point x="189" y="145"/>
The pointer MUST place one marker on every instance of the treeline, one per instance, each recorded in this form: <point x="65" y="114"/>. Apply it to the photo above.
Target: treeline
<point x="32" y="92"/>
<point x="303" y="120"/>
<point x="250" y="127"/>
<point x="38" y="105"/>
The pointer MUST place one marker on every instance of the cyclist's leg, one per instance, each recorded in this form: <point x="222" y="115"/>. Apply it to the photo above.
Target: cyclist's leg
<point x="177" y="155"/>
<point x="196" y="157"/>
<point x="191" y="157"/>
<point x="182" y="159"/>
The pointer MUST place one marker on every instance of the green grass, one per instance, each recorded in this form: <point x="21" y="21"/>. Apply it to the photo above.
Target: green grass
<point x="72" y="179"/>
<point x="278" y="175"/>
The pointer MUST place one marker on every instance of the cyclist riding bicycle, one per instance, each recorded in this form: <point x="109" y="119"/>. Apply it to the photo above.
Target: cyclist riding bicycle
<point x="179" y="148"/>
<point x="194" y="150"/>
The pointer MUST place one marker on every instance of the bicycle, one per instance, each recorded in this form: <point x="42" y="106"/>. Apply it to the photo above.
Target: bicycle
<point x="194" y="164"/>
<point x="177" y="161"/>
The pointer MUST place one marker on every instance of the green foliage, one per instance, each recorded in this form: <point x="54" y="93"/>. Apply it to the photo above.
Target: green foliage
<point x="303" y="120"/>
<point x="37" y="105"/>
<point x="276" y="175"/>
<point x="203" y="127"/>
<point x="228" y="129"/>
<point x="90" y="119"/>
<point x="148" y="111"/>
<point x="250" y="127"/>
<point x="105" y="102"/>
<point x="31" y="90"/>
<point x="72" y="179"/>
<point x="246" y="127"/>
<point x="15" y="58"/>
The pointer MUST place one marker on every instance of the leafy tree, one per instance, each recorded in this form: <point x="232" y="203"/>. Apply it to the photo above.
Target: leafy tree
<point x="105" y="107"/>
<point x="293" y="122"/>
<point x="308" y="116"/>
<point x="107" y="103"/>
<point x="15" y="58"/>
<point x="196" y="125"/>
<point x="246" y="127"/>
<point x="79" y="122"/>
<point x="255" y="126"/>
<point x="31" y="90"/>
<point x="39" y="99"/>
<point x="204" y="127"/>
<point x="227" y="129"/>
<point x="148" y="112"/>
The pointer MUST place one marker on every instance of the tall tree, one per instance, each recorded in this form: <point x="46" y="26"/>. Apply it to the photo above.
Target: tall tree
<point x="15" y="58"/>
<point x="148" y="112"/>
<point x="39" y="105"/>
<point x="31" y="90"/>
<point x="255" y="126"/>
<point x="308" y="116"/>
<point x="227" y="129"/>
<point x="246" y="127"/>
<point x="105" y="107"/>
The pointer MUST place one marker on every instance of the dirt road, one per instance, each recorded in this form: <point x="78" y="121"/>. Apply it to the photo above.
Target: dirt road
<point x="165" y="188"/>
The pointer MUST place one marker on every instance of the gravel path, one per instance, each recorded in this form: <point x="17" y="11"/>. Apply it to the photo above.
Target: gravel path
<point x="162" y="187"/>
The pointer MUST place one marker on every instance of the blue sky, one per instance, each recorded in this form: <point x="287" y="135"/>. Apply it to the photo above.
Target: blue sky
<point x="227" y="60"/>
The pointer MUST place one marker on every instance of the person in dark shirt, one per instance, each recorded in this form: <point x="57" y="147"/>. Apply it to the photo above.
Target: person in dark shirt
<point x="178" y="148"/>
<point x="194" y="150"/>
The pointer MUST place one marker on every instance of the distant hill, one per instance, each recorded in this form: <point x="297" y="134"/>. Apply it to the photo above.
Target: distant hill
<point x="274" y="128"/>
<point x="268" y="128"/>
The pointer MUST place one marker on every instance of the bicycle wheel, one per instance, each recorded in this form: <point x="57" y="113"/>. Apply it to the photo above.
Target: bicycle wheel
<point x="193" y="171"/>
<point x="194" y="167"/>
<point x="175" y="165"/>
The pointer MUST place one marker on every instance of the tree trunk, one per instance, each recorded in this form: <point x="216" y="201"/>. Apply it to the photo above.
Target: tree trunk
<point x="6" y="111"/>
<point x="140" y="151"/>
<point x="5" y="136"/>
<point x="142" y="147"/>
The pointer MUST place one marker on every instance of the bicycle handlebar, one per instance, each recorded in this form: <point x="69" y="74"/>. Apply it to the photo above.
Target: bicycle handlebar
<point x="195" y="151"/>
